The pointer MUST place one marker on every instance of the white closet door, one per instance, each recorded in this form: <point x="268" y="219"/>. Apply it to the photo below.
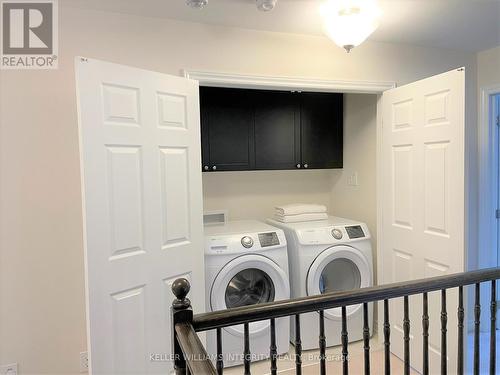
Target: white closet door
<point x="141" y="176"/>
<point x="423" y="203"/>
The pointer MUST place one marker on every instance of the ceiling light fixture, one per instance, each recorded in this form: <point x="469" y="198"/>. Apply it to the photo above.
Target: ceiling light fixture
<point x="349" y="22"/>
<point x="197" y="4"/>
<point x="266" y="5"/>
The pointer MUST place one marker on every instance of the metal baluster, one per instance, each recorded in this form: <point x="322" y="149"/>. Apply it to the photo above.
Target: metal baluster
<point x="425" y="335"/>
<point x="477" y="320"/>
<point x="461" y="315"/>
<point x="387" y="337"/>
<point x="219" y="363"/>
<point x="298" y="346"/>
<point x="493" y="327"/>
<point x="345" y="353"/>
<point x="246" y="350"/>
<point x="406" y="329"/>
<point x="322" y="343"/>
<point x="366" y="338"/>
<point x="273" y="351"/>
<point x="444" y="321"/>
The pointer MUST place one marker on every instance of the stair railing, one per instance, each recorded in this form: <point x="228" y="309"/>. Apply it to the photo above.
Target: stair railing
<point x="192" y="358"/>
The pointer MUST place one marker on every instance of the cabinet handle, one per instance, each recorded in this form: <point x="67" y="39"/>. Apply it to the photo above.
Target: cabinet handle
<point x="214" y="168"/>
<point x="306" y="165"/>
<point x="205" y="167"/>
<point x="298" y="166"/>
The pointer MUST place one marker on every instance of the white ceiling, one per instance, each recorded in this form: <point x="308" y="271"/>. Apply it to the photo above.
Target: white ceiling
<point x="470" y="25"/>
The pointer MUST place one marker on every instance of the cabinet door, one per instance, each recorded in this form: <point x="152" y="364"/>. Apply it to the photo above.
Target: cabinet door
<point x="227" y="129"/>
<point x="277" y="130"/>
<point x="321" y="130"/>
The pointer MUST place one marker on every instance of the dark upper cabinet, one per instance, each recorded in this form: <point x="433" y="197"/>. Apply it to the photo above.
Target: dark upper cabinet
<point x="227" y="129"/>
<point x="321" y="130"/>
<point x="277" y="130"/>
<point x="262" y="129"/>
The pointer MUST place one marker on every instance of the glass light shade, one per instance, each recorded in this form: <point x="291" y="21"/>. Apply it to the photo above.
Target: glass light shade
<point x="266" y="5"/>
<point x="349" y="22"/>
<point x="197" y="4"/>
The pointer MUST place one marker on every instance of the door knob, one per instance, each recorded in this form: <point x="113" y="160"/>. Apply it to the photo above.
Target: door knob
<point x="298" y="166"/>
<point x="205" y="167"/>
<point x="306" y="165"/>
<point x="214" y="168"/>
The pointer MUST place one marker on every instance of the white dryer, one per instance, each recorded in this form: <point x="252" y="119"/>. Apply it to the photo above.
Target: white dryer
<point x="329" y="256"/>
<point x="246" y="263"/>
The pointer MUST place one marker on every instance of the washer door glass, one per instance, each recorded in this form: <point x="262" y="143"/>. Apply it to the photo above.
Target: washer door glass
<point x="249" y="280"/>
<point x="249" y="287"/>
<point x="339" y="275"/>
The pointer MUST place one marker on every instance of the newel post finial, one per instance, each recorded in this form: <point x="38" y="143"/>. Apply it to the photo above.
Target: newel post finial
<point x="181" y="288"/>
<point x="181" y="313"/>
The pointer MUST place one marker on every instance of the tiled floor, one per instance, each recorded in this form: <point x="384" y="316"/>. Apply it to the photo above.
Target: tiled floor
<point x="286" y="365"/>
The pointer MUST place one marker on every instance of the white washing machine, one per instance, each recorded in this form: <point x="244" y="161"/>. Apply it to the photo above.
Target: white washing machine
<point x="329" y="256"/>
<point x="246" y="263"/>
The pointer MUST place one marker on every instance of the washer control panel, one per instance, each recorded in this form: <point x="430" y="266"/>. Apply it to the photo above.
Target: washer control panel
<point x="268" y="239"/>
<point x="337" y="234"/>
<point x="247" y="242"/>
<point x="244" y="242"/>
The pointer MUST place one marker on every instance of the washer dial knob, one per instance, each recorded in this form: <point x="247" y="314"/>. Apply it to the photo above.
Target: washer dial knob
<point x="337" y="234"/>
<point x="247" y="242"/>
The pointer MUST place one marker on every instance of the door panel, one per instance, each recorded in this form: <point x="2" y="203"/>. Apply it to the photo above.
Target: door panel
<point x="277" y="130"/>
<point x="322" y="130"/>
<point x="141" y="184"/>
<point x="423" y="202"/>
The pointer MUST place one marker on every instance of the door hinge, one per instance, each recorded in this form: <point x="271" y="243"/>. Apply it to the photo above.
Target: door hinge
<point x="497" y="213"/>
<point x="498" y="120"/>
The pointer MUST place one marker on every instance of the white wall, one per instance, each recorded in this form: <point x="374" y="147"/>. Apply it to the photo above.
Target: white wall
<point x="42" y="314"/>
<point x="488" y="75"/>
<point x="253" y="195"/>
<point x="360" y="155"/>
<point x="488" y="67"/>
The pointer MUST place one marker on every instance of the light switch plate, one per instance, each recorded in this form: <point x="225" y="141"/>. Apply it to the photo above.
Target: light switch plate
<point x="353" y="179"/>
<point x="84" y="362"/>
<point x="9" y="369"/>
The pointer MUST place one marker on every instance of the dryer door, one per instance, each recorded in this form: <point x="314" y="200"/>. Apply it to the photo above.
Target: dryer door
<point x="337" y="269"/>
<point x="249" y="280"/>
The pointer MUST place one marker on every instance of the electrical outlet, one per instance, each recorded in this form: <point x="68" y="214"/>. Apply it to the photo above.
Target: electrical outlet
<point x="84" y="362"/>
<point x="9" y="369"/>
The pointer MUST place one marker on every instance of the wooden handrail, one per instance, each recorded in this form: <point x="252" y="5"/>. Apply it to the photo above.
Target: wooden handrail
<point x="197" y="360"/>
<point x="240" y="315"/>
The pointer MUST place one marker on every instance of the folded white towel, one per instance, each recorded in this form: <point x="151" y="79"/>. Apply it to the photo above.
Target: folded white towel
<point x="299" y="208"/>
<point x="301" y="217"/>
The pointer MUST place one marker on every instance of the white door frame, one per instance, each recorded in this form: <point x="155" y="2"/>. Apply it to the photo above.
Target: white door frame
<point x="488" y="177"/>
<point x="218" y="79"/>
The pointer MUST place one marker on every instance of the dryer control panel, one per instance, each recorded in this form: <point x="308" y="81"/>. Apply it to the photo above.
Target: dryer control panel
<point x="355" y="231"/>
<point x="333" y="234"/>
